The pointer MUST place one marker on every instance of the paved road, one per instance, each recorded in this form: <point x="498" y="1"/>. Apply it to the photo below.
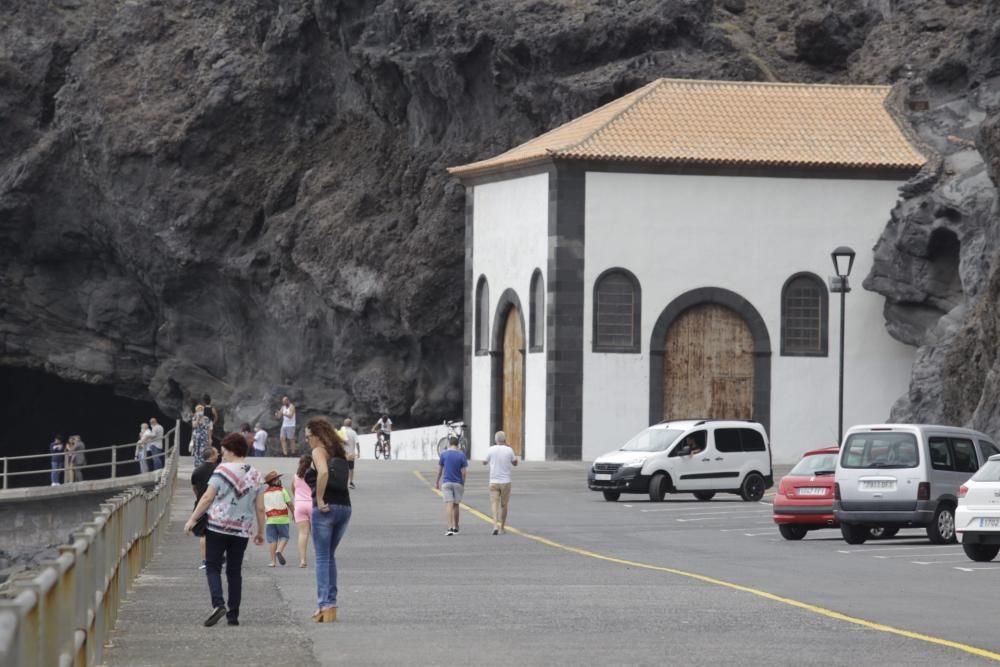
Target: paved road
<point x="580" y="581"/>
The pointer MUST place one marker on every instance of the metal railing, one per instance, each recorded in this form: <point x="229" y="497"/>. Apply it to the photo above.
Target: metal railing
<point x="62" y="613"/>
<point x="7" y="472"/>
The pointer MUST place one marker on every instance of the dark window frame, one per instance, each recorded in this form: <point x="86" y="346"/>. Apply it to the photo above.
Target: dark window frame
<point x="635" y="347"/>
<point x="482" y="321"/>
<point x="536" y="312"/>
<point x="824" y="317"/>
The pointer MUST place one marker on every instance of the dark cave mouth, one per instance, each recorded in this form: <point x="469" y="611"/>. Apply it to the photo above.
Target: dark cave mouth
<point x="39" y="405"/>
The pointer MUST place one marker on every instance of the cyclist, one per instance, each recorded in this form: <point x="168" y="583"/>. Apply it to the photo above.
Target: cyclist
<point x="384" y="429"/>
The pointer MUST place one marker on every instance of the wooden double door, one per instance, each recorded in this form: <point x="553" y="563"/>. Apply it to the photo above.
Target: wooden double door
<point x="708" y="369"/>
<point x="512" y="381"/>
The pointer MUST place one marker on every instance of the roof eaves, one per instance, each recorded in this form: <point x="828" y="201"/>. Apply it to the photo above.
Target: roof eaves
<point x="495" y="165"/>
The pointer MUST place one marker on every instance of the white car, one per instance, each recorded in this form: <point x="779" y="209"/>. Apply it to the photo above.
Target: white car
<point x="977" y="519"/>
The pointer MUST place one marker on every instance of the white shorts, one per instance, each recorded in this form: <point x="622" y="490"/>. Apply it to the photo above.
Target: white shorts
<point x="287" y="432"/>
<point x="452" y="492"/>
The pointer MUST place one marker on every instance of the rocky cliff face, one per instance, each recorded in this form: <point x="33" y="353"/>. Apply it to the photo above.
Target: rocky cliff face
<point x="249" y="198"/>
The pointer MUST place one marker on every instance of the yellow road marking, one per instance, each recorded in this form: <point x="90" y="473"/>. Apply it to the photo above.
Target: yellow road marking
<point x="822" y="611"/>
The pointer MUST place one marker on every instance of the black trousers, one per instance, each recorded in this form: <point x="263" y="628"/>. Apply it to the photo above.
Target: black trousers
<point x="233" y="547"/>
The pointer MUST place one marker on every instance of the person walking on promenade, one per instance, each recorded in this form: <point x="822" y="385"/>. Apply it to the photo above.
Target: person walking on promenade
<point x="58" y="451"/>
<point x="452" y="468"/>
<point x="141" y="448"/>
<point x="278" y="508"/>
<point x="331" y="510"/>
<point x="501" y="459"/>
<point x="350" y="438"/>
<point x="303" y="506"/>
<point x="234" y="502"/>
<point x="248" y="435"/>
<point x="156" y="446"/>
<point x="259" y="441"/>
<point x="287" y="434"/>
<point x="201" y="429"/>
<point x="199" y="484"/>
<point x="217" y="431"/>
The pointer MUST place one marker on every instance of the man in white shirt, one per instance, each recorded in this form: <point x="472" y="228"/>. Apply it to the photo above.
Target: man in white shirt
<point x="501" y="459"/>
<point x="350" y="438"/>
<point x="259" y="440"/>
<point x="287" y="434"/>
<point x="156" y="446"/>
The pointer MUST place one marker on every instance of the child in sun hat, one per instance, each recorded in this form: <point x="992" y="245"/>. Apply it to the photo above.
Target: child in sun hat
<point x="278" y="508"/>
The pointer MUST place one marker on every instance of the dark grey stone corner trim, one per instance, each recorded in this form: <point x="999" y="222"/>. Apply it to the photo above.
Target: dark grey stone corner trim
<point x="564" y="314"/>
<point x="536" y="343"/>
<point x="824" y="317"/>
<point x="636" y="346"/>
<point x="761" y="348"/>
<point x="469" y="313"/>
<point x="508" y="301"/>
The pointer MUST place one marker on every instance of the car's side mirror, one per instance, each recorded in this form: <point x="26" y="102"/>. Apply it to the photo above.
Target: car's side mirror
<point x="683" y="450"/>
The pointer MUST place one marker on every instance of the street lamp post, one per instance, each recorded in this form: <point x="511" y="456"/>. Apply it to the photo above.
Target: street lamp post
<point x="843" y="262"/>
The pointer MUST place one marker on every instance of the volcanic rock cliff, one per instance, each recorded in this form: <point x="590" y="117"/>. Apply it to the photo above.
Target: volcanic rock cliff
<point x="249" y="198"/>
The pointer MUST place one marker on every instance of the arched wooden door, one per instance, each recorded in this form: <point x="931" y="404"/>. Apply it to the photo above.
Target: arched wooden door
<point x="512" y="388"/>
<point x="708" y="365"/>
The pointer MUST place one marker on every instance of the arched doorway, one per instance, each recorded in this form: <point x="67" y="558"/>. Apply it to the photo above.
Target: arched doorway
<point x="726" y="316"/>
<point x="708" y="365"/>
<point x="512" y="389"/>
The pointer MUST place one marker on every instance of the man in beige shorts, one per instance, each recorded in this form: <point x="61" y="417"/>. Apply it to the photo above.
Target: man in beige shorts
<point x="501" y="459"/>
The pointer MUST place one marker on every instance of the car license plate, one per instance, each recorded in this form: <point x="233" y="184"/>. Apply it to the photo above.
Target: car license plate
<point x="878" y="484"/>
<point x="812" y="491"/>
<point x="602" y="478"/>
<point x="989" y="522"/>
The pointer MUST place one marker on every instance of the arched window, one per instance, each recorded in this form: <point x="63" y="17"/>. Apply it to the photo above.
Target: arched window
<point x="804" y="316"/>
<point x="617" y="310"/>
<point x="482" y="333"/>
<point x="536" y="333"/>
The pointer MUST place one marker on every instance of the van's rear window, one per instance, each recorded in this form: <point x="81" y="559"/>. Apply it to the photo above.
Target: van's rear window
<point x="880" y="450"/>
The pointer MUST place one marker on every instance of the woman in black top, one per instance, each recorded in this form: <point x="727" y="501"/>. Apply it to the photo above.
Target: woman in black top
<point x="331" y="509"/>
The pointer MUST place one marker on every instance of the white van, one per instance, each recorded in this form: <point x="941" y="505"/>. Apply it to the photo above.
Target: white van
<point x="902" y="475"/>
<point x="703" y="457"/>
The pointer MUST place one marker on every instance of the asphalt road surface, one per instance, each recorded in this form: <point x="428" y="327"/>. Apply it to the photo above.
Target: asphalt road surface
<point x="575" y="581"/>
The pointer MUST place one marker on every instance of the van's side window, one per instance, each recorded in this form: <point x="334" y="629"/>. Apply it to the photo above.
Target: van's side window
<point x="940" y="454"/>
<point x="965" y="455"/>
<point x="752" y="440"/>
<point x="696" y="441"/>
<point x="727" y="440"/>
<point x="988" y="449"/>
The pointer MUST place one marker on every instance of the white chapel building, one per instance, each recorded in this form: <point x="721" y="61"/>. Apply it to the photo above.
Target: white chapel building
<point x="666" y="256"/>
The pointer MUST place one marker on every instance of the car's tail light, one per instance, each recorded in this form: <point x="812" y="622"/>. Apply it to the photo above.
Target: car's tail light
<point x="924" y="491"/>
<point x="962" y="490"/>
<point x="836" y="490"/>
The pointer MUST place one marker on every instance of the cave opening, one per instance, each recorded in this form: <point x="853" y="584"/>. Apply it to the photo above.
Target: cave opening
<point x="943" y="280"/>
<point x="39" y="405"/>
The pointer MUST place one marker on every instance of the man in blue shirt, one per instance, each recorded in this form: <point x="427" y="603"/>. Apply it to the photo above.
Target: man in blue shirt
<point x="452" y="467"/>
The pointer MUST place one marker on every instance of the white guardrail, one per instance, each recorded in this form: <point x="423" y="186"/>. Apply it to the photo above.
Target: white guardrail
<point x="61" y="614"/>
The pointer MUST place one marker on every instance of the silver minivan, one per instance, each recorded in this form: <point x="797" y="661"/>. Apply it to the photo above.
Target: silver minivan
<point x="893" y="476"/>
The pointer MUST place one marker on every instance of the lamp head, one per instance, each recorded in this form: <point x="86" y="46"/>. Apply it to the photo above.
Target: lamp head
<point x="843" y="261"/>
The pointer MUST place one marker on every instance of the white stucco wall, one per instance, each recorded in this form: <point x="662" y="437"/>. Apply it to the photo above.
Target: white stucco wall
<point x="748" y="235"/>
<point x="510" y="241"/>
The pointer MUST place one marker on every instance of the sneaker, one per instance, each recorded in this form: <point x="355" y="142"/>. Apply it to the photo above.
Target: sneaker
<point x="280" y="557"/>
<point x="455" y="529"/>
<point x="214" y="617"/>
<point x="449" y="532"/>
<point x="202" y="566"/>
<point x="351" y="485"/>
<point x="233" y="621"/>
<point x="496" y="531"/>
<point x="503" y="532"/>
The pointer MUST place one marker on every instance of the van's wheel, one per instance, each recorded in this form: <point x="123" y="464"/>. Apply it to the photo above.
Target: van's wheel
<point x="942" y="527"/>
<point x="752" y="488"/>
<point x="704" y="495"/>
<point x="658" y="487"/>
<point x="854" y="534"/>
<point x="612" y="496"/>
<point x="981" y="553"/>
<point x="792" y="532"/>
<point x="880" y="533"/>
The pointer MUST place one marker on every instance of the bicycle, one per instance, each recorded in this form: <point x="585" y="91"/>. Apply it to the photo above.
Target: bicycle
<point x="383" y="448"/>
<point x="456" y="429"/>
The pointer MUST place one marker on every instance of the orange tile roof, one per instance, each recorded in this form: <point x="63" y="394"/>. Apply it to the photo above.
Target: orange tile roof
<point x="727" y="123"/>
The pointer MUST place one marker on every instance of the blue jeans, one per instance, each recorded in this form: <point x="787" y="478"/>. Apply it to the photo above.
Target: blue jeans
<point x="327" y="529"/>
<point x="56" y="472"/>
<point x="157" y="454"/>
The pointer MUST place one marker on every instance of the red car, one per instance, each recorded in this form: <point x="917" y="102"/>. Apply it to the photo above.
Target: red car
<point x="804" y="500"/>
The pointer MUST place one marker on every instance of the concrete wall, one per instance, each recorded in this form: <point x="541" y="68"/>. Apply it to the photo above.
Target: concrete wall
<point x="510" y="241"/>
<point x="748" y="235"/>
